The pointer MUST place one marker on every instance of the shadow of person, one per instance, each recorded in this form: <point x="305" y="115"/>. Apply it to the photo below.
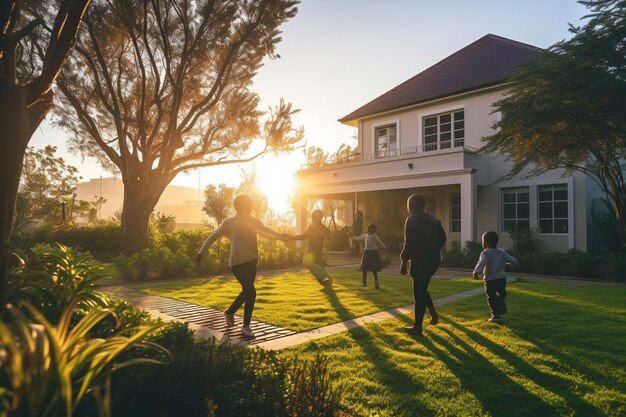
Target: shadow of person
<point x="552" y="384"/>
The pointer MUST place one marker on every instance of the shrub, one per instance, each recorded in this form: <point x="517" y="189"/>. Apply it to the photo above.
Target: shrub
<point x="56" y="278"/>
<point x="50" y="370"/>
<point x="209" y="378"/>
<point x="100" y="239"/>
<point x="525" y="242"/>
<point x="458" y="257"/>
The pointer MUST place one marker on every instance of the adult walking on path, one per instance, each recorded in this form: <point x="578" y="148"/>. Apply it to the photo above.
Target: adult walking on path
<point x="423" y="239"/>
<point x="242" y="230"/>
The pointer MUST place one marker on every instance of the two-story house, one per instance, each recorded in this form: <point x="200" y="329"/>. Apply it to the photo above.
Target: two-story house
<point x="422" y="136"/>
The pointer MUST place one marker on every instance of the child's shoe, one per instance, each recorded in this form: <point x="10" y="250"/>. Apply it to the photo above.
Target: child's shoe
<point x="230" y="319"/>
<point x="495" y="318"/>
<point x="376" y="285"/>
<point x="246" y="331"/>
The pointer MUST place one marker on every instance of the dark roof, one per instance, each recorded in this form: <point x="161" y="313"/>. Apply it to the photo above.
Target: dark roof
<point x="488" y="61"/>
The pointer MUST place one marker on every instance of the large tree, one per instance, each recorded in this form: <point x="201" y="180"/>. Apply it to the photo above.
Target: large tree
<point x="159" y="87"/>
<point x="568" y="108"/>
<point x="35" y="39"/>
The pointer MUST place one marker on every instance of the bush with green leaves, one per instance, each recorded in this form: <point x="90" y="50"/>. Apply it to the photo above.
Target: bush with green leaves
<point x="173" y="255"/>
<point x="100" y="239"/>
<point x="49" y="370"/>
<point x="217" y="379"/>
<point x="57" y="277"/>
<point x="462" y="257"/>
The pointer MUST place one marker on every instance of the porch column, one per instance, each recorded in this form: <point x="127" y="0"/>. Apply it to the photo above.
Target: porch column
<point x="468" y="208"/>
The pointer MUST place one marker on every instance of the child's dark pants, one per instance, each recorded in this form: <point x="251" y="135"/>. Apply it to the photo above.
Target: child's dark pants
<point x="245" y="274"/>
<point x="495" y="290"/>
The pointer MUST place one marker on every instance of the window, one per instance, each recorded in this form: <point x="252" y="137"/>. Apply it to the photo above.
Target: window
<point x="386" y="141"/>
<point x="515" y="208"/>
<point x="553" y="209"/>
<point x="444" y="131"/>
<point x="455" y="212"/>
<point x="431" y="204"/>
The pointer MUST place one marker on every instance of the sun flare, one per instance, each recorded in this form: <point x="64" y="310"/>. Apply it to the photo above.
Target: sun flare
<point x="276" y="177"/>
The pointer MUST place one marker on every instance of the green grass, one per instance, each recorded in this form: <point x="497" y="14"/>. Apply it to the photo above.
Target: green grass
<point x="295" y="301"/>
<point x="560" y="352"/>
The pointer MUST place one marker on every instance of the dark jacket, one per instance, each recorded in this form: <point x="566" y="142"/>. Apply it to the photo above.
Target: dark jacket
<point x="423" y="239"/>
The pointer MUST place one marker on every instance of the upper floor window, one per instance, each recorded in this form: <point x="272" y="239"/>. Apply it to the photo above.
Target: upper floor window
<point x="515" y="208"/>
<point x="444" y="131"/>
<point x="386" y="140"/>
<point x="553" y="209"/>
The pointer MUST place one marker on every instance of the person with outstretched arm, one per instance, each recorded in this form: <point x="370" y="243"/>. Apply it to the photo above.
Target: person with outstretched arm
<point x="423" y="239"/>
<point x="242" y="230"/>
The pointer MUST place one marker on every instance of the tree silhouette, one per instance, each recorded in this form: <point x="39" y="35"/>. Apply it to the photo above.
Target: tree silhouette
<point x="159" y="87"/>
<point x="35" y="39"/>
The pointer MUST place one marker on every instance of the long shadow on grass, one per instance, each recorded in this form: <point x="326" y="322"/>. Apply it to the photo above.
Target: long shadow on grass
<point x="389" y="374"/>
<point x="498" y="394"/>
<point x="555" y="384"/>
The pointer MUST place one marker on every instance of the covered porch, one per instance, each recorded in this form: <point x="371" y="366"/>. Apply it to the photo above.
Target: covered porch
<point x="450" y="196"/>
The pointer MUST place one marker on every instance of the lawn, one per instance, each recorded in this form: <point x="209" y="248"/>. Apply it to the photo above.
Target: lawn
<point x="560" y="352"/>
<point x="295" y="301"/>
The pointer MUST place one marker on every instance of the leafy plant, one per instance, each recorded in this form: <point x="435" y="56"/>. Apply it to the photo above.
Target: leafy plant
<point x="49" y="370"/>
<point x="218" y="379"/>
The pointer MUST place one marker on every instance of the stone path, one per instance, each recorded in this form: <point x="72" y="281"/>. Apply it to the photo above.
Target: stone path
<point x="205" y="321"/>
<point x="208" y="322"/>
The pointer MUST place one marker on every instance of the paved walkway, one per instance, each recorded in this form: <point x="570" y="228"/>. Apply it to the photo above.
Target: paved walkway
<point x="208" y="322"/>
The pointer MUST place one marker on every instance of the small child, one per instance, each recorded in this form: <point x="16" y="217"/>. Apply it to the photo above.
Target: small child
<point x="371" y="257"/>
<point x="491" y="263"/>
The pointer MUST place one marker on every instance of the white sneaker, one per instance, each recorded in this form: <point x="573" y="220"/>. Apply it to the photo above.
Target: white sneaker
<point x="247" y="332"/>
<point x="230" y="319"/>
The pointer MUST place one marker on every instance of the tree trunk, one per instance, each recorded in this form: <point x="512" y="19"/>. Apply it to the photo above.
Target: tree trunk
<point x="17" y="124"/>
<point x="135" y="220"/>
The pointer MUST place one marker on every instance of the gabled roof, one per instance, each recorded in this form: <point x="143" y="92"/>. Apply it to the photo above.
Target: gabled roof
<point x="488" y="61"/>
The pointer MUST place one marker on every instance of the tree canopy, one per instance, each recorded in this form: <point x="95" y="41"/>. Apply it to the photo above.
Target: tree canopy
<point x="160" y="87"/>
<point x="567" y="109"/>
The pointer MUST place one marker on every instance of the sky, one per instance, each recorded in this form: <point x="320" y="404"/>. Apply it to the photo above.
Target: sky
<point x="337" y="55"/>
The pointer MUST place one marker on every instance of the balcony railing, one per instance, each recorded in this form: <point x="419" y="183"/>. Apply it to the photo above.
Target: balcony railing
<point x="413" y="150"/>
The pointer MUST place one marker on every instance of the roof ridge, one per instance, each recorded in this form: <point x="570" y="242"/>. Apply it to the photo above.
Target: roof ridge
<point x="442" y="63"/>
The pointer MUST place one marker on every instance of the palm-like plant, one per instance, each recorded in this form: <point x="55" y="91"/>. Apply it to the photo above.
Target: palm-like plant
<point x="47" y="370"/>
<point x="60" y="277"/>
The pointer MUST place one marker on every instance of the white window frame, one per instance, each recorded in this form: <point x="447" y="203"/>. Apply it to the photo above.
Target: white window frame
<point x="517" y="218"/>
<point x="452" y="142"/>
<point x="534" y="206"/>
<point x="539" y="202"/>
<point x="381" y="124"/>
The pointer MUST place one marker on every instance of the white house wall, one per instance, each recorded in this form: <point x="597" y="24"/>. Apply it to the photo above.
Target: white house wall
<point x="456" y="167"/>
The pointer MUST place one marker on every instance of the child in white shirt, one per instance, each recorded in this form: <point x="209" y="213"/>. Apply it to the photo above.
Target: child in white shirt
<point x="371" y="257"/>
<point x="491" y="264"/>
